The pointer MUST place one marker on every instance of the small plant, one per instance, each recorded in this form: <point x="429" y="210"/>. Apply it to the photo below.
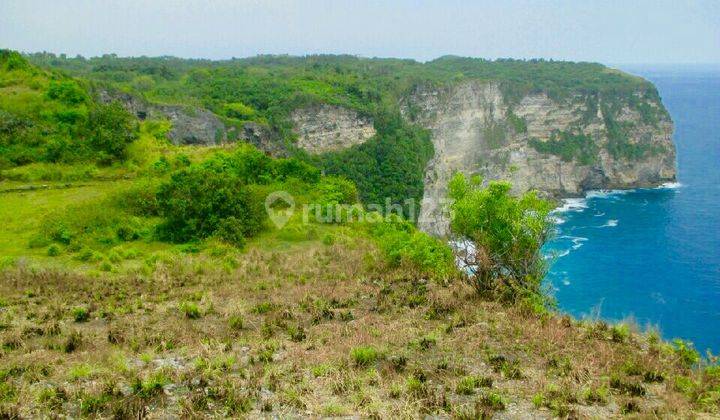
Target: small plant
<point x="627" y="387"/>
<point x="595" y="395"/>
<point x="492" y="400"/>
<point x="364" y="356"/>
<point x="620" y="333"/>
<point x="415" y="386"/>
<point x="72" y="342"/>
<point x="263" y="308"/>
<point x="80" y="314"/>
<point x="685" y="351"/>
<point x="190" y="310"/>
<point x="53" y="250"/>
<point x="236" y="322"/>
<point x="151" y="386"/>
<point x="467" y="384"/>
<point x="296" y="333"/>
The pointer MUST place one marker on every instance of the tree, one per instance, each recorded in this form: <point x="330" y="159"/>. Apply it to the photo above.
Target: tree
<point x="111" y="129"/>
<point x="503" y="235"/>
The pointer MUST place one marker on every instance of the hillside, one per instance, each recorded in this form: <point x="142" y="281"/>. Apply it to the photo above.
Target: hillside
<point x="205" y="244"/>
<point x="399" y="128"/>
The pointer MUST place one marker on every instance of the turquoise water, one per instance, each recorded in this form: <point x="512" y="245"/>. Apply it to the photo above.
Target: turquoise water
<point x="653" y="254"/>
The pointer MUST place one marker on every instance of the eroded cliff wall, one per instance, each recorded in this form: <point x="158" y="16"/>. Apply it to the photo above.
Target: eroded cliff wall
<point x="475" y="130"/>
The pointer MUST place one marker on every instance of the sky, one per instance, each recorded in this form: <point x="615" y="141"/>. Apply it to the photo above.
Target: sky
<point x="606" y="31"/>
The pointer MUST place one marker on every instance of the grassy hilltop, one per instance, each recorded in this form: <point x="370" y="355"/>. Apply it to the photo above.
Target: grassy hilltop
<point x="143" y="279"/>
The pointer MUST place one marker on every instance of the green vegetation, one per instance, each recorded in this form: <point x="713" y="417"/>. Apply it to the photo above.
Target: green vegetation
<point x="506" y="232"/>
<point x="139" y="278"/>
<point x="579" y="147"/>
<point x="48" y="117"/>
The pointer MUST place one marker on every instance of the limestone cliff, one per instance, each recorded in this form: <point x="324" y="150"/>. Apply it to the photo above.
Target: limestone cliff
<point x="326" y="128"/>
<point x="477" y="131"/>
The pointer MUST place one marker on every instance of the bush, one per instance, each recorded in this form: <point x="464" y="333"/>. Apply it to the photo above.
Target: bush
<point x="198" y="202"/>
<point x="506" y="234"/>
<point x="402" y="243"/>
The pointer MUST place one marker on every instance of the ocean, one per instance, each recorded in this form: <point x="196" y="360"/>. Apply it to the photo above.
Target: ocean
<point x="653" y="254"/>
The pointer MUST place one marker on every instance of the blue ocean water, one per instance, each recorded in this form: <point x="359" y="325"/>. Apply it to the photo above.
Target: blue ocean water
<point x="653" y="254"/>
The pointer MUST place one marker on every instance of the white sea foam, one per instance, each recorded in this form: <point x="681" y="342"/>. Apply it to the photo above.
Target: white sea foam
<point x="610" y="223"/>
<point x="572" y="204"/>
<point x="601" y="214"/>
<point x="606" y="193"/>
<point x="578" y="242"/>
<point x="557" y="220"/>
<point x="566" y="282"/>
<point x="670" y="186"/>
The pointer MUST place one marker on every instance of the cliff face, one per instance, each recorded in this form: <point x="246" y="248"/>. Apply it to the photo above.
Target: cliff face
<point x="326" y="128"/>
<point x="476" y="131"/>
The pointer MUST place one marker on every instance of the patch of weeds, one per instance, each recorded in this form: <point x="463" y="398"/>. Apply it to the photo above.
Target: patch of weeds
<point x="72" y="342"/>
<point x="321" y="370"/>
<point x="332" y="409"/>
<point x="415" y="386"/>
<point x="395" y="390"/>
<point x="627" y="387"/>
<point x="8" y="392"/>
<point x="556" y="399"/>
<point x="364" y="356"/>
<point x="236" y="322"/>
<point x="80" y="314"/>
<point x="296" y="333"/>
<point x="319" y="309"/>
<point x="685" y="351"/>
<point x="630" y="407"/>
<point x="151" y="386"/>
<point x="263" y="308"/>
<point x="425" y="343"/>
<point x="620" y="333"/>
<point x="81" y="371"/>
<point x="398" y="362"/>
<point x="510" y="369"/>
<point x="653" y="376"/>
<point x="190" y="309"/>
<point x="93" y="404"/>
<point x="265" y="355"/>
<point x="492" y="401"/>
<point x="52" y="397"/>
<point x="468" y="384"/>
<point x="53" y="250"/>
<point x="595" y="395"/>
<point x="560" y="366"/>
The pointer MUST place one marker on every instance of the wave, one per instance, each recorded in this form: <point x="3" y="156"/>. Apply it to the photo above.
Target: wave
<point x="606" y="193"/>
<point x="572" y="204"/>
<point x="669" y="186"/>
<point x="557" y="220"/>
<point x="610" y="223"/>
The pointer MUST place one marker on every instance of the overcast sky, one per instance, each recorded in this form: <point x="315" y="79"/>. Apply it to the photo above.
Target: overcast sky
<point x="606" y="31"/>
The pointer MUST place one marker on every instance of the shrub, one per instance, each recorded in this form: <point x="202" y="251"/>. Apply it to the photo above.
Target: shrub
<point x="506" y="234"/>
<point x="198" y="202"/>
<point x="364" y="355"/>
<point x="401" y="243"/>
